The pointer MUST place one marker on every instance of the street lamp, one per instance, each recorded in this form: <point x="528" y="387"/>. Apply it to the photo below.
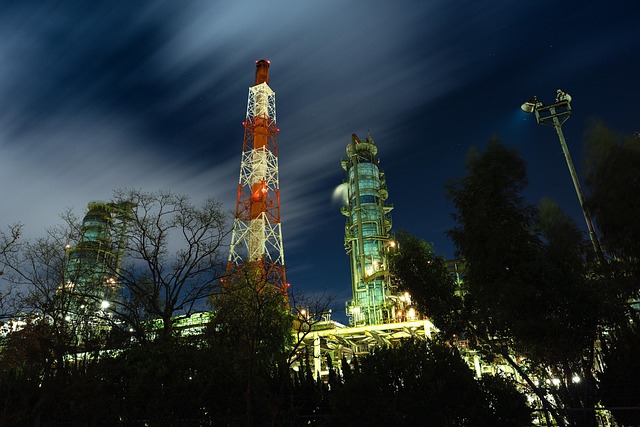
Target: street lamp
<point x="555" y="115"/>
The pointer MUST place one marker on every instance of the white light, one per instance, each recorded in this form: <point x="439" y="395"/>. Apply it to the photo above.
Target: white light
<point x="67" y="318"/>
<point x="555" y="381"/>
<point x="407" y="297"/>
<point x="104" y="304"/>
<point x="530" y="105"/>
<point x="562" y="96"/>
<point x="575" y="379"/>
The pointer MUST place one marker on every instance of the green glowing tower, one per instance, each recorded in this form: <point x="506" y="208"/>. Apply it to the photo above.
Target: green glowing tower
<point x="367" y="239"/>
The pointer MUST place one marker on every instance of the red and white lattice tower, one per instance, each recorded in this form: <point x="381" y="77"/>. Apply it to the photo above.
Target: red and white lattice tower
<point x="257" y="232"/>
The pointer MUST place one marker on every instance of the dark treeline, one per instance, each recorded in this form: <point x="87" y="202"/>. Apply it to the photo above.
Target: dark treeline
<point x="244" y="368"/>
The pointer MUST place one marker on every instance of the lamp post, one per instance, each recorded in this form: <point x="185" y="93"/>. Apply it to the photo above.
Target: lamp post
<point x="556" y="115"/>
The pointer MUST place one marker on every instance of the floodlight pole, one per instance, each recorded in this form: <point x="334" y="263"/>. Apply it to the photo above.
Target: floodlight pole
<point x="556" y="115"/>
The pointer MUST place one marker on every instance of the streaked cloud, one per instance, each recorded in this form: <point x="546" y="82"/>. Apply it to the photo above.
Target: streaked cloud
<point x="151" y="95"/>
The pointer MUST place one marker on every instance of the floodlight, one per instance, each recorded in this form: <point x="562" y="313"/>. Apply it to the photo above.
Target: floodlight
<point x="530" y="106"/>
<point x="562" y="96"/>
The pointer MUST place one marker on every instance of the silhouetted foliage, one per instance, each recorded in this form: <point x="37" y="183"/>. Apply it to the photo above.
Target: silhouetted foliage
<point x="619" y="385"/>
<point x="417" y="269"/>
<point x="252" y="327"/>
<point x="613" y="180"/>
<point x="424" y="383"/>
<point x="527" y="280"/>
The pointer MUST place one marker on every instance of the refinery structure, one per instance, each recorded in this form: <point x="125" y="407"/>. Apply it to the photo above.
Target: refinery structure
<point x="379" y="314"/>
<point x="93" y="264"/>
<point x="257" y="231"/>
<point x="368" y="241"/>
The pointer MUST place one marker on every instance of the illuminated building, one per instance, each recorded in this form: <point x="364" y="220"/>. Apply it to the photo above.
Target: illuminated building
<point x="93" y="264"/>
<point x="367" y="240"/>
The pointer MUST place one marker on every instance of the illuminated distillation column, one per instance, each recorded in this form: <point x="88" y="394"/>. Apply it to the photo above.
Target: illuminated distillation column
<point x="95" y="261"/>
<point x="367" y="238"/>
<point x="257" y="233"/>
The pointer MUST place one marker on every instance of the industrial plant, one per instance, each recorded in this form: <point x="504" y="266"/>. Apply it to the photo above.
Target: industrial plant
<point x="378" y="312"/>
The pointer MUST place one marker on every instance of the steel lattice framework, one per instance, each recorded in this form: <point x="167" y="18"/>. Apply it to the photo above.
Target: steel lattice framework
<point x="257" y="232"/>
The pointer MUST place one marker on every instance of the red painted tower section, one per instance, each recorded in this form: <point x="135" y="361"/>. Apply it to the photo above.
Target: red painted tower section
<point x="257" y="232"/>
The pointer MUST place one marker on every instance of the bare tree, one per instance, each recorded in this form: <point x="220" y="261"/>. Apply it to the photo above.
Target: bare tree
<point x="43" y="304"/>
<point x="8" y="243"/>
<point x="171" y="261"/>
<point x="309" y="311"/>
<point x="173" y="257"/>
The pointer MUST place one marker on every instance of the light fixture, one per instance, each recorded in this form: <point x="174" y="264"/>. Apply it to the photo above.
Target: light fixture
<point x="530" y="105"/>
<point x="562" y="96"/>
<point x="555" y="115"/>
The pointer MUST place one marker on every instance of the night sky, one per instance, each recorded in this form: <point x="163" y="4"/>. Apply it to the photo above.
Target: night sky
<point x="101" y="95"/>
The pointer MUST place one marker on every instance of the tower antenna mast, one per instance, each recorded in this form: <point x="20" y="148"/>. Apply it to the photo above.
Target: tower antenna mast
<point x="257" y="232"/>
